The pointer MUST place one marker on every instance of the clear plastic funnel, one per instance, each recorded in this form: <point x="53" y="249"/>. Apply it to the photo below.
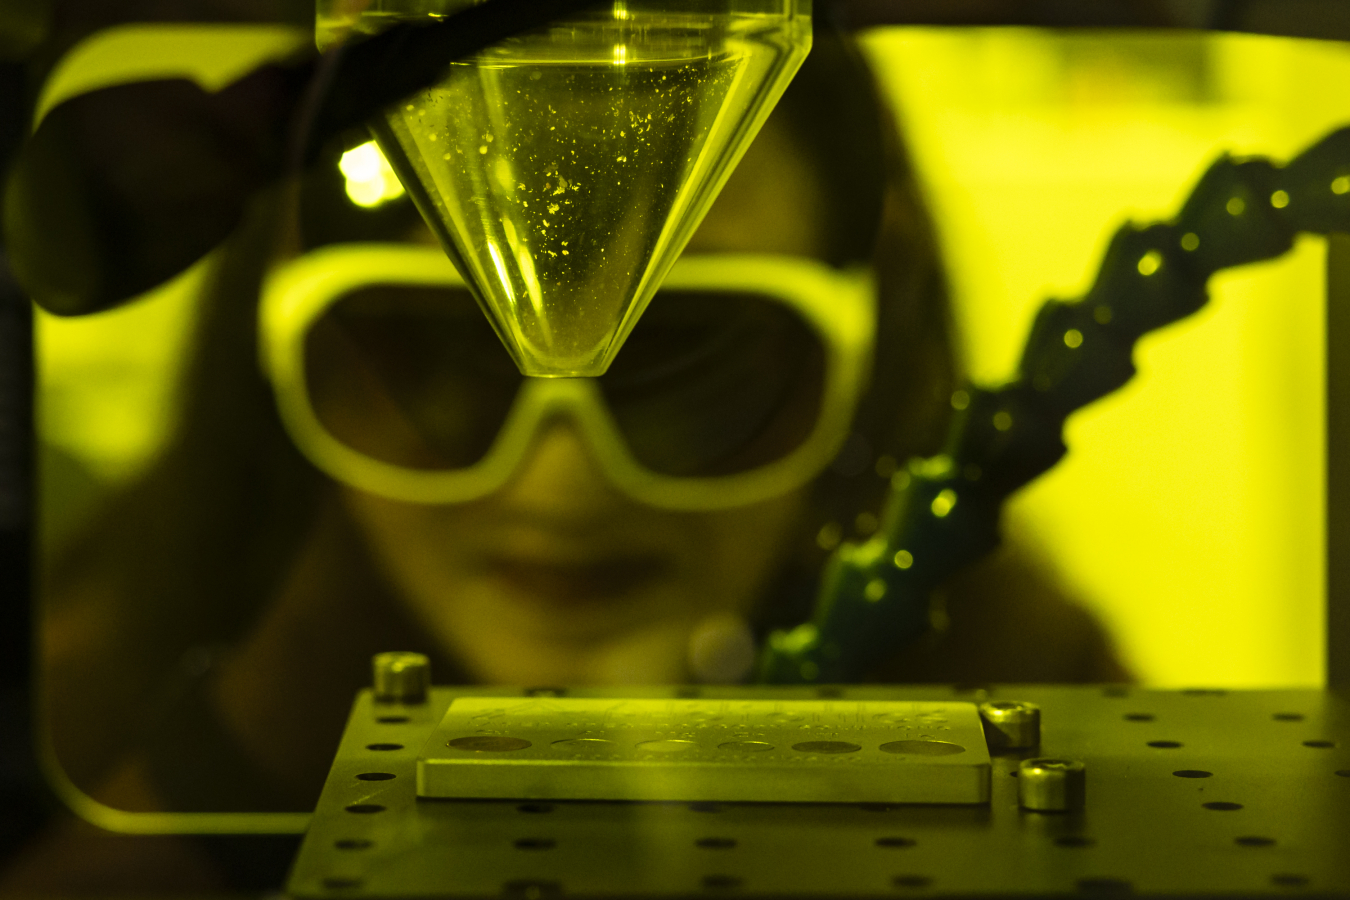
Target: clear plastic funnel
<point x="564" y="170"/>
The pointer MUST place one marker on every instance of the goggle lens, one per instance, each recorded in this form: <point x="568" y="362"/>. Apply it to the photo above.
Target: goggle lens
<point x="709" y="382"/>
<point x="715" y="383"/>
<point x="411" y="376"/>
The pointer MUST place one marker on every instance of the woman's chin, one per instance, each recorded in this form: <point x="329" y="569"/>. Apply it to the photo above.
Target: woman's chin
<point x="560" y="625"/>
<point x="581" y="603"/>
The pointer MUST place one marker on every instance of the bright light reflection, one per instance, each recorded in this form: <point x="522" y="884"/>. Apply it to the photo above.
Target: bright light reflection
<point x="371" y="181"/>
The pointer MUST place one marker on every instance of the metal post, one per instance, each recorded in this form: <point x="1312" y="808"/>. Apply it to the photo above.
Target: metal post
<point x="1338" y="463"/>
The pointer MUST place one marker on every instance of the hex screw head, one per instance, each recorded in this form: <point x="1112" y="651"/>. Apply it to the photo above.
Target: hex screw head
<point x="401" y="677"/>
<point x="1011" y="725"/>
<point x="1052" y="785"/>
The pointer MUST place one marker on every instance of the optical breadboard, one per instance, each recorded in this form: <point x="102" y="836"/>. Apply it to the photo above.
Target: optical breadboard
<point x="1200" y="792"/>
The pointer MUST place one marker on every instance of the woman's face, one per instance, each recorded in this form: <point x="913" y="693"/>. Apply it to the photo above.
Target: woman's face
<point x="558" y="578"/>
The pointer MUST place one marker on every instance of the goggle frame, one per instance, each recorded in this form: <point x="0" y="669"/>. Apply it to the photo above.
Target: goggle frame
<point x="840" y="305"/>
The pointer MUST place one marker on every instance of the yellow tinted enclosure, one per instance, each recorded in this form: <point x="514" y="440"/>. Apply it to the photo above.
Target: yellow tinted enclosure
<point x="1188" y="513"/>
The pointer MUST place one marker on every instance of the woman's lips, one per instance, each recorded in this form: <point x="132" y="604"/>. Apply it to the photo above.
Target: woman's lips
<point x="574" y="584"/>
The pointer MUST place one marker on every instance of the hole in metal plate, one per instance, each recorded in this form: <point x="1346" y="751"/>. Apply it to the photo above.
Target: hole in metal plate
<point x="721" y="882"/>
<point x="336" y="883"/>
<point x="911" y="881"/>
<point x="923" y="748"/>
<point x="353" y="844"/>
<point x="535" y="844"/>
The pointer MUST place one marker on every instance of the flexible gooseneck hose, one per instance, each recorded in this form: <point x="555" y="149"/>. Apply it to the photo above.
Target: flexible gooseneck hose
<point x="943" y="513"/>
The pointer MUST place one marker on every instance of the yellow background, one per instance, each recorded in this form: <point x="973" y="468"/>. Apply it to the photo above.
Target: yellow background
<point x="1189" y="513"/>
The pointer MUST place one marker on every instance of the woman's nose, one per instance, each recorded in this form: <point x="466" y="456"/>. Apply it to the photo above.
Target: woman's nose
<point x="559" y="475"/>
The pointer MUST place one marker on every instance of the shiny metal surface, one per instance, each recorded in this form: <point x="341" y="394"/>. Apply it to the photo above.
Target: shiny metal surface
<point x="1011" y="724"/>
<point x="1263" y="808"/>
<point x="742" y="750"/>
<point x="1052" y="785"/>
<point x="401" y="677"/>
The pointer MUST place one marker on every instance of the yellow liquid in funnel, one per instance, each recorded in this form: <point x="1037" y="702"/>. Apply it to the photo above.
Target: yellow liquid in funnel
<point x="564" y="189"/>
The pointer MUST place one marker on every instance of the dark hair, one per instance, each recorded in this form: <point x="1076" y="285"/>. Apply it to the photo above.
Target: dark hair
<point x="192" y="554"/>
<point x="836" y="113"/>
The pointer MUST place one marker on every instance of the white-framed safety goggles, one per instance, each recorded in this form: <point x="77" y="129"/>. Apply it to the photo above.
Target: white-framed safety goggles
<point x="737" y="384"/>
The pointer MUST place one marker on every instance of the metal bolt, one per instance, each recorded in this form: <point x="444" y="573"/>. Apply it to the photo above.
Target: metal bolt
<point x="1011" y="724"/>
<point x="1052" y="785"/>
<point x="401" y="677"/>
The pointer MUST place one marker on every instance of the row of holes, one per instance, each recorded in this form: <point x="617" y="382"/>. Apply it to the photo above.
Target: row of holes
<point x="1278" y="717"/>
<point x="726" y="843"/>
<point x="1166" y="745"/>
<point x="535" y="889"/>
<point x="832" y="691"/>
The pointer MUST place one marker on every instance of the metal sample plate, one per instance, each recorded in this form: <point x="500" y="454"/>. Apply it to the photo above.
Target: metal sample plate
<point x="790" y="751"/>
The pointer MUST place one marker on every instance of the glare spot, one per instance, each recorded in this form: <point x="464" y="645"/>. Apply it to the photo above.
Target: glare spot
<point x="501" y="272"/>
<point x="370" y="180"/>
<point x="875" y="590"/>
<point x="1073" y="339"/>
<point x="1002" y="420"/>
<point x="1235" y="206"/>
<point x="960" y="399"/>
<point x="1341" y="185"/>
<point x="903" y="559"/>
<point x="943" y="503"/>
<point x="1190" y="241"/>
<point x="1279" y="199"/>
<point x="1150" y="262"/>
